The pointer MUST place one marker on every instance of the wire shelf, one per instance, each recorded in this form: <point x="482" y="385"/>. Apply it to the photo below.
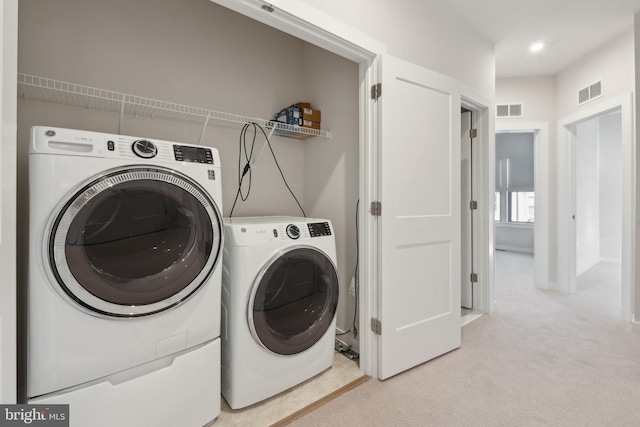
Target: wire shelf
<point x="59" y="92"/>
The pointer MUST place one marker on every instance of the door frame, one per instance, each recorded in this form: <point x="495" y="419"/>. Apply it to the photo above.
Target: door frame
<point x="484" y="177"/>
<point x="541" y="226"/>
<point x="316" y="27"/>
<point x="468" y="216"/>
<point x="566" y="206"/>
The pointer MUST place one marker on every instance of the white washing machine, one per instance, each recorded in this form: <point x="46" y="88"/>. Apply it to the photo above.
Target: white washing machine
<point x="124" y="280"/>
<point x="279" y="299"/>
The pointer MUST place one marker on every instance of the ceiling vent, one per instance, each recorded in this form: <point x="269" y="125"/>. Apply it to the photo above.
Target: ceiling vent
<point x="593" y="91"/>
<point x="508" y="110"/>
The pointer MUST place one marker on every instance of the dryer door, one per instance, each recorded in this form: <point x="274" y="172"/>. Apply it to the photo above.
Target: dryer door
<point x="293" y="300"/>
<point x="135" y="241"/>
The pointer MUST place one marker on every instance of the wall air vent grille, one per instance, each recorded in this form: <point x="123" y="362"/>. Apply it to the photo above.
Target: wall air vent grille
<point x="508" y="110"/>
<point x="587" y="93"/>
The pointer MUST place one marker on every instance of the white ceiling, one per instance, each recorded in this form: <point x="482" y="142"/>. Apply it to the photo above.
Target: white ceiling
<point x="570" y="28"/>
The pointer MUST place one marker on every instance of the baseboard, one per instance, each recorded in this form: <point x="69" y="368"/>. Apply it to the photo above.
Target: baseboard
<point x="468" y="318"/>
<point x="514" y="249"/>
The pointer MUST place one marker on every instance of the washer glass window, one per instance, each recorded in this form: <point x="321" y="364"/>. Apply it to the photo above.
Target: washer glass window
<point x="294" y="301"/>
<point x="135" y="242"/>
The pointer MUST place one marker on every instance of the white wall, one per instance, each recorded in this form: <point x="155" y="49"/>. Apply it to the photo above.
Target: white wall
<point x="423" y="33"/>
<point x="536" y="94"/>
<point x="8" y="61"/>
<point x="613" y="63"/>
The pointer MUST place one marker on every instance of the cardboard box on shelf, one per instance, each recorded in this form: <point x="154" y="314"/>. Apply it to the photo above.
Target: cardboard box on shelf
<point x="290" y="115"/>
<point x="309" y="113"/>
<point x="310" y="124"/>
<point x="300" y="114"/>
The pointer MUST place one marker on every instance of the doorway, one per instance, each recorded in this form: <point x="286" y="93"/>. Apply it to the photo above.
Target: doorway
<point x="598" y="202"/>
<point x="541" y="248"/>
<point x="586" y="228"/>
<point x="515" y="202"/>
<point x="598" y="195"/>
<point x="477" y="165"/>
<point x="468" y="206"/>
<point x="515" y="195"/>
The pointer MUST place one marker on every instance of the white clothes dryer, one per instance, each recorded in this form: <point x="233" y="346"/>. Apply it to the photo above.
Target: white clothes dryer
<point x="124" y="279"/>
<point x="279" y="299"/>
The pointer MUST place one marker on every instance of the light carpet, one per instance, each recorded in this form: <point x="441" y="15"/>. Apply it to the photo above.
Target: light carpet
<point x="542" y="359"/>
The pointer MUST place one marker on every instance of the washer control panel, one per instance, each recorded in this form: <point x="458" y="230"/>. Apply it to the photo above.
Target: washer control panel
<point x="73" y="142"/>
<point x="186" y="153"/>
<point x="317" y="229"/>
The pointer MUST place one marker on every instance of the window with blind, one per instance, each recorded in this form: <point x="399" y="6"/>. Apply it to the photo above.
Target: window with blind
<point x="515" y="193"/>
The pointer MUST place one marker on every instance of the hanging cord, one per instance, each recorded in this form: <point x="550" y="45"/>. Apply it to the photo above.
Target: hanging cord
<point x="354" y="328"/>
<point x="242" y="172"/>
<point x="246" y="170"/>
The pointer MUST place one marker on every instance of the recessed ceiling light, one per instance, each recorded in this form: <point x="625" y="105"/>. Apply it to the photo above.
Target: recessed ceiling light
<point x="536" y="47"/>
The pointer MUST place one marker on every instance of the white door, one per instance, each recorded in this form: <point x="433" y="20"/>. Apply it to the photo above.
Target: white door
<point x="466" y="225"/>
<point x="419" y="248"/>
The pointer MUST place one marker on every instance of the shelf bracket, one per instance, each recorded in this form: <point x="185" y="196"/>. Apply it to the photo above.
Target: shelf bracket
<point x="124" y="102"/>
<point x="273" y="128"/>
<point x="204" y="128"/>
<point x="264" y="145"/>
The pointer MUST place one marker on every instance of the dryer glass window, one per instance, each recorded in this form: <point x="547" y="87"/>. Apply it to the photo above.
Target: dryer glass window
<point x="295" y="301"/>
<point x="139" y="242"/>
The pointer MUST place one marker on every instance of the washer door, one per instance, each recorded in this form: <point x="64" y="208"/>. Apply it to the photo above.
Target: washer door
<point x="135" y="241"/>
<point x="293" y="300"/>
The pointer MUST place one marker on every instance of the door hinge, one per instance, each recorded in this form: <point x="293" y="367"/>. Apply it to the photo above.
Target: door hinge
<point x="473" y="133"/>
<point x="376" y="91"/>
<point x="376" y="208"/>
<point x="474" y="278"/>
<point x="376" y="326"/>
<point x="473" y="205"/>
